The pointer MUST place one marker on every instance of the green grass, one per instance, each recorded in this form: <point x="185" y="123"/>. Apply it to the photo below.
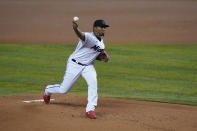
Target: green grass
<point x="164" y="73"/>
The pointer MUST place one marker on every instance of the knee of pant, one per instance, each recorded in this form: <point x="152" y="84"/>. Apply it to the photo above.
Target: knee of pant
<point x="93" y="80"/>
<point x="92" y="86"/>
<point x="93" y="83"/>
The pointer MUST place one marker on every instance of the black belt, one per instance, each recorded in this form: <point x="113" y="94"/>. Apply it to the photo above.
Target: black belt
<point x="78" y="62"/>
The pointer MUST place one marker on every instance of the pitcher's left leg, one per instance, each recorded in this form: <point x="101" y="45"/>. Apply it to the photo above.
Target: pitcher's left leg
<point x="89" y="74"/>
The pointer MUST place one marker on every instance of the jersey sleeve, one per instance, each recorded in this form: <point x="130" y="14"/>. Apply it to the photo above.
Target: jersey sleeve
<point x="87" y="37"/>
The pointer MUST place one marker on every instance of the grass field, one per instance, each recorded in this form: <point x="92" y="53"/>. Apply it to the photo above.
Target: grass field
<point x="165" y="73"/>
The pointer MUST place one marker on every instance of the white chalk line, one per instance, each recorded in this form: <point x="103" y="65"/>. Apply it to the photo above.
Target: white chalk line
<point x="36" y="101"/>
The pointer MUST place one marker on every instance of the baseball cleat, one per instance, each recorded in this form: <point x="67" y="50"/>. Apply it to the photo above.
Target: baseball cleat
<point x="46" y="97"/>
<point x="91" y="114"/>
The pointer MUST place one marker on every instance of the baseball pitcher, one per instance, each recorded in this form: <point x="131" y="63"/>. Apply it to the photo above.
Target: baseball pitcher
<point x="81" y="63"/>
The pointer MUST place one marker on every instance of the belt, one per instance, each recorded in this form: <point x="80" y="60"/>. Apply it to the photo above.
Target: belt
<point x="78" y="62"/>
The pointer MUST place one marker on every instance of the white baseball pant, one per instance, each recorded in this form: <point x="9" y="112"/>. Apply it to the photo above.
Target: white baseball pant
<point x="72" y="73"/>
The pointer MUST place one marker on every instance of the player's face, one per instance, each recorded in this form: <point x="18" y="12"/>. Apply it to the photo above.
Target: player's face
<point x="99" y="31"/>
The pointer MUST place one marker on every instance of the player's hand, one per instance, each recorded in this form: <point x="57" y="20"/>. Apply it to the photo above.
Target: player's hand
<point x="75" y="25"/>
<point x="77" y="31"/>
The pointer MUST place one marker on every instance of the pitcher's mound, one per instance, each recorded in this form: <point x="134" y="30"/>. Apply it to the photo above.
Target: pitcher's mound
<point x="67" y="113"/>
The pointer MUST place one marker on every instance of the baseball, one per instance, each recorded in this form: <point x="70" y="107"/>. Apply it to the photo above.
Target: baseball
<point x="75" y="18"/>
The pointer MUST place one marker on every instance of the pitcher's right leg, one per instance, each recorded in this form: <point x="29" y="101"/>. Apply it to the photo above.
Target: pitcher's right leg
<point x="72" y="73"/>
<point x="64" y="87"/>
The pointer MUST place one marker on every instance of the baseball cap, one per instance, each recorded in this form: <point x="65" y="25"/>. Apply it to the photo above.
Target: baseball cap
<point x="100" y="23"/>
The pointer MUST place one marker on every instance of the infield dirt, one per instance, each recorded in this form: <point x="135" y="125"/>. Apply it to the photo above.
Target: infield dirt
<point x="67" y="113"/>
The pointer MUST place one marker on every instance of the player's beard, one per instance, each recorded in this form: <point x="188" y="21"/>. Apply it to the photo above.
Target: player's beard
<point x="102" y="34"/>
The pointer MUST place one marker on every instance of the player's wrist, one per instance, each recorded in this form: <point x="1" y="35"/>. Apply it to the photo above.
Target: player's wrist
<point x="75" y="25"/>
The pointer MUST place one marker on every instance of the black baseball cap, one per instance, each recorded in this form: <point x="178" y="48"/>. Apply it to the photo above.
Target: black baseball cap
<point x="100" y="23"/>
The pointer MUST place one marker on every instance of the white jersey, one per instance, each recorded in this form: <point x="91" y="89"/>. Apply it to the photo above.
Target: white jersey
<point x="87" y="51"/>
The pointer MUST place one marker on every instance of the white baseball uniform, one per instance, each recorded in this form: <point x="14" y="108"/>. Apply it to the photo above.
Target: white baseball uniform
<point x="81" y="62"/>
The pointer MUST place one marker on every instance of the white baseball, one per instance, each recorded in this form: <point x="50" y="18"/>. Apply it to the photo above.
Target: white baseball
<point x="75" y="18"/>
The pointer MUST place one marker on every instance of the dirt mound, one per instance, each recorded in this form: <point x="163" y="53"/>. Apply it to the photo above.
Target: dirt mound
<point x="67" y="113"/>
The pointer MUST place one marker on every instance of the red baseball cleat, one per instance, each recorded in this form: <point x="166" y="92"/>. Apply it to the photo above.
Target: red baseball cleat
<point x="46" y="97"/>
<point x="91" y="114"/>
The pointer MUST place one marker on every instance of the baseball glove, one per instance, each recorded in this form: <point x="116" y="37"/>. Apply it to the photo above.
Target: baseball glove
<point x="103" y="57"/>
